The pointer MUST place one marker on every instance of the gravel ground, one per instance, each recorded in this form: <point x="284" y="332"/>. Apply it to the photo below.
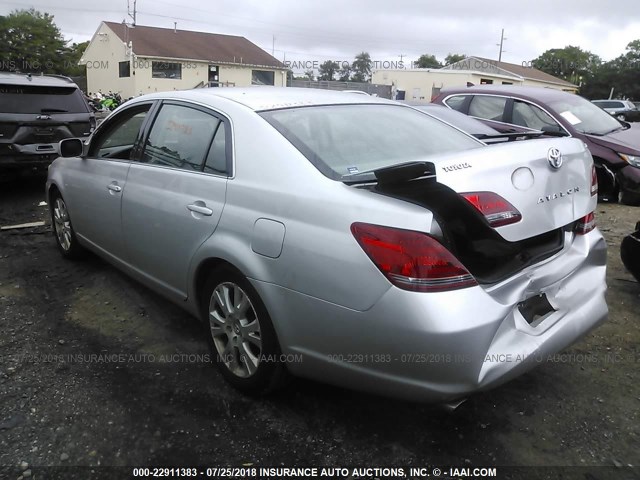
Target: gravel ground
<point x="156" y="402"/>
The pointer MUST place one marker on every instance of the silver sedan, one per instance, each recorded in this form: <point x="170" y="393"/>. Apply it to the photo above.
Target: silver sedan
<point x="343" y="238"/>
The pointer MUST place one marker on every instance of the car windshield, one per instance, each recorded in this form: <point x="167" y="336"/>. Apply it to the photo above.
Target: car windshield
<point x="349" y="139"/>
<point x="584" y="115"/>
<point x="40" y="99"/>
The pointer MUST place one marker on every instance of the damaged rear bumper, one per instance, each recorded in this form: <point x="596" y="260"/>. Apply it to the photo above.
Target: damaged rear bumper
<point x="443" y="346"/>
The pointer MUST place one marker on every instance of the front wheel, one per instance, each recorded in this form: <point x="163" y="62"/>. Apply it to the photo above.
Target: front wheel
<point x="241" y="335"/>
<point x="63" y="229"/>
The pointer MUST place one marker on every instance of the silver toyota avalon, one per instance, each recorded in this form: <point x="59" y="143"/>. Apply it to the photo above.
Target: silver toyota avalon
<point x="343" y="238"/>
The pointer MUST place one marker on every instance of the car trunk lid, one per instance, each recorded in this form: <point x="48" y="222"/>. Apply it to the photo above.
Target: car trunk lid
<point x="548" y="182"/>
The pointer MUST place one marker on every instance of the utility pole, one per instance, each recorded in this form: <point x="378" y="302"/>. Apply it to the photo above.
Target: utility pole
<point x="502" y="39"/>
<point x="402" y="55"/>
<point x="132" y="15"/>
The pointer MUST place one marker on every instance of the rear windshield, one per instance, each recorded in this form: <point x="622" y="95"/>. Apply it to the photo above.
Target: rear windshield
<point x="347" y="139"/>
<point x="39" y="99"/>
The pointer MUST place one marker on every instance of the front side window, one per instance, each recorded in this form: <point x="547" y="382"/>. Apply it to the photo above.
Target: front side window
<point x="166" y="70"/>
<point x="489" y="108"/>
<point x="180" y="137"/>
<point x="117" y="138"/>
<point x="348" y="139"/>
<point x="528" y="115"/>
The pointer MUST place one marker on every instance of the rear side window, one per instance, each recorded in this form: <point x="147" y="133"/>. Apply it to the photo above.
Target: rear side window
<point x="489" y="108"/>
<point x="455" y="102"/>
<point x="180" y="137"/>
<point x="348" y="139"/>
<point x="40" y="99"/>
<point x="216" y="162"/>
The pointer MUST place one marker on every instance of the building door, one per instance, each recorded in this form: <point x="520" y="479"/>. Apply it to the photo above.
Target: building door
<point x="214" y="78"/>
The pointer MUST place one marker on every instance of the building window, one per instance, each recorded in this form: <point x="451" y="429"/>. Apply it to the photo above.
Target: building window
<point x="486" y="81"/>
<point x="507" y="83"/>
<point x="166" y="70"/>
<point x="262" y="77"/>
<point x="124" y="69"/>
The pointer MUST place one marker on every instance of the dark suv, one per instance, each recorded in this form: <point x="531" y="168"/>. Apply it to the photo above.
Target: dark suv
<point x="36" y="112"/>
<point x="615" y="145"/>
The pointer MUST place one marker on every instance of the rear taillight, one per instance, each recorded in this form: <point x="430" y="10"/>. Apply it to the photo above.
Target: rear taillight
<point x="585" y="224"/>
<point x="412" y="260"/>
<point x="495" y="209"/>
<point x="594" y="181"/>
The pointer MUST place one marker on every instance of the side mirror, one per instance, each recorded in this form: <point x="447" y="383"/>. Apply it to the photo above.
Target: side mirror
<point x="71" y="147"/>
<point x="554" y="130"/>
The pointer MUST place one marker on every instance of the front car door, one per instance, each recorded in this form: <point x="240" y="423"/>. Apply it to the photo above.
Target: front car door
<point x="176" y="192"/>
<point x="94" y="184"/>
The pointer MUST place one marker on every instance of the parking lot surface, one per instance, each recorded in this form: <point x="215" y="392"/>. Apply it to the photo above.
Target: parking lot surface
<point x="95" y="369"/>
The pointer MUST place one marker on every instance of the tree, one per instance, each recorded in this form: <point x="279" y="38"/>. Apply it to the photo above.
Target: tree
<point x="309" y="74"/>
<point x="621" y="74"/>
<point x="327" y="70"/>
<point x="454" y="58"/>
<point x="569" y="63"/>
<point x="344" y="74"/>
<point x="31" y="42"/>
<point x="361" y="67"/>
<point x="428" y="61"/>
<point x="72" y="57"/>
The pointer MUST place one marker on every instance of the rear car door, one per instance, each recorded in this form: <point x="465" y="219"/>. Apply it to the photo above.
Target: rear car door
<point x="93" y="185"/>
<point x="175" y="194"/>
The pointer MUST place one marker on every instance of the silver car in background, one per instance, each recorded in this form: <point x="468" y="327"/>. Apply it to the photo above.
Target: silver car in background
<point x="343" y="238"/>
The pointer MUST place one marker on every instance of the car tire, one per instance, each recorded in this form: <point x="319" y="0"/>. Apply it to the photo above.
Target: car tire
<point x="630" y="198"/>
<point x="622" y="117"/>
<point x="630" y="254"/>
<point x="63" y="230"/>
<point x="240" y="333"/>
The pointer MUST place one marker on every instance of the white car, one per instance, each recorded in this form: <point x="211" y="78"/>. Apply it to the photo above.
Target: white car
<point x="344" y="238"/>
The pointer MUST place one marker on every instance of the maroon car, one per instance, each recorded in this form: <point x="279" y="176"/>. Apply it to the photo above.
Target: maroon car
<point x="615" y="145"/>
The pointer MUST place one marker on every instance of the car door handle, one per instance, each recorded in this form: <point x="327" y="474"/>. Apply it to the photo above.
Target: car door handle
<point x="114" y="188"/>
<point x="201" y="209"/>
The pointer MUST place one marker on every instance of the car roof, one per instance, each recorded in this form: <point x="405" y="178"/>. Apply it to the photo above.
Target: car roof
<point x="538" y="93"/>
<point x="269" y="98"/>
<point x="7" y="78"/>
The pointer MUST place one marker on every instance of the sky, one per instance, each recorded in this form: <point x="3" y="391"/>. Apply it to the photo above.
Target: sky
<point x="314" y="31"/>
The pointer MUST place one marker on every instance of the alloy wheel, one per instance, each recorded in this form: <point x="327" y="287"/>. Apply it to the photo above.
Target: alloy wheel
<point x="62" y="224"/>
<point x="235" y="329"/>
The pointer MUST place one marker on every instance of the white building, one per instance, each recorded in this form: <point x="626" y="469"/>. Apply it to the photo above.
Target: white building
<point x="134" y="60"/>
<point x="422" y="84"/>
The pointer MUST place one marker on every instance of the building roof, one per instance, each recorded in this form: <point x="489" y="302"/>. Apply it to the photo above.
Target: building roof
<point x="184" y="44"/>
<point x="488" y="65"/>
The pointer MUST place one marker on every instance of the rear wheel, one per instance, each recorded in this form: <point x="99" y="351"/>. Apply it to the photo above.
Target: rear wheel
<point x="63" y="229"/>
<point x="621" y="117"/>
<point x="241" y="335"/>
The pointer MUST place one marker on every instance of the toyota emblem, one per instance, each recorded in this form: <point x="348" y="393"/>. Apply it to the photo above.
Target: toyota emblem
<point x="555" y="158"/>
